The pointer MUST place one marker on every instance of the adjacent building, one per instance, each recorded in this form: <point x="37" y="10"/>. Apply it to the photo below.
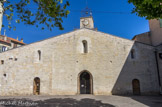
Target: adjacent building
<point x="7" y="43"/>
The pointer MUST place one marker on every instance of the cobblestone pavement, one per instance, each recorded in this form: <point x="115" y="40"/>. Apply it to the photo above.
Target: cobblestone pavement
<point x="81" y="101"/>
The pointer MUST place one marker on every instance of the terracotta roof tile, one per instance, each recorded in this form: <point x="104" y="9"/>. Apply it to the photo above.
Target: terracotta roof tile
<point x="4" y="41"/>
<point x="16" y="40"/>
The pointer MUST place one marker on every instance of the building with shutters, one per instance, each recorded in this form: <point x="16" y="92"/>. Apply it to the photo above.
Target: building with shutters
<point x="85" y="61"/>
<point x="7" y="43"/>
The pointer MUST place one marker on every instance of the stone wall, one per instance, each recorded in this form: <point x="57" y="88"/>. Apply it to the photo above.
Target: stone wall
<point x="62" y="59"/>
<point x="143" y="38"/>
<point x="141" y="67"/>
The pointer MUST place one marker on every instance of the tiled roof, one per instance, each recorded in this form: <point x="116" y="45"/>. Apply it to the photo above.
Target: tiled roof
<point x="4" y="41"/>
<point x="12" y="39"/>
<point x="9" y="39"/>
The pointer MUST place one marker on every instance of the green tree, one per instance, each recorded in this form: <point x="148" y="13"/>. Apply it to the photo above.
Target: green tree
<point x="151" y="9"/>
<point x="36" y="12"/>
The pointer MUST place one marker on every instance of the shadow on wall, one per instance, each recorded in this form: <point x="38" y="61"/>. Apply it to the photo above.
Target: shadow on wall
<point x="139" y="73"/>
<point x="139" y="76"/>
<point x="56" y="102"/>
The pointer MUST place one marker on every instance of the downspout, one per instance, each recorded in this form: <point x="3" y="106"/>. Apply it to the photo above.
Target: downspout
<point x="158" y="72"/>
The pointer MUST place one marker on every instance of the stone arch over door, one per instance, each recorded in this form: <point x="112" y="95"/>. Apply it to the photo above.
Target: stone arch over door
<point x="36" y="86"/>
<point x="85" y="83"/>
<point x="136" y="87"/>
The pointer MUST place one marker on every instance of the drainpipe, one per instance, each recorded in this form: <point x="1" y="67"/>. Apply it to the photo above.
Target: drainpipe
<point x="158" y="71"/>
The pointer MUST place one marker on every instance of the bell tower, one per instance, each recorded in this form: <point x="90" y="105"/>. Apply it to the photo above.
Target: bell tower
<point x="87" y="22"/>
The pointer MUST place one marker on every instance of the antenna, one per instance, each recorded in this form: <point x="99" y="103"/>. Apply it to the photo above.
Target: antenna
<point x="86" y="11"/>
<point x="86" y="3"/>
<point x="4" y="32"/>
<point x="17" y="38"/>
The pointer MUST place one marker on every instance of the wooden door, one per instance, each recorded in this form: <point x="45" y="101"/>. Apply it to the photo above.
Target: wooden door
<point x="85" y="83"/>
<point x="136" y="87"/>
<point x="36" y="87"/>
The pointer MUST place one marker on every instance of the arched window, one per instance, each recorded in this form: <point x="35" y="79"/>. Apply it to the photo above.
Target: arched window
<point x="132" y="54"/>
<point x="85" y="46"/>
<point x="39" y="54"/>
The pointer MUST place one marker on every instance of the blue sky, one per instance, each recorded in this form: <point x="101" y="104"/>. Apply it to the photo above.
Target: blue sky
<point x="122" y="25"/>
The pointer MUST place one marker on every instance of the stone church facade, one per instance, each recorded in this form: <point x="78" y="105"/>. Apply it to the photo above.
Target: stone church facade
<point x="84" y="61"/>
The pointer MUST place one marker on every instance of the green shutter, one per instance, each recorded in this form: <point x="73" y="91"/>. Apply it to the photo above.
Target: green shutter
<point x="0" y="48"/>
<point x="160" y="22"/>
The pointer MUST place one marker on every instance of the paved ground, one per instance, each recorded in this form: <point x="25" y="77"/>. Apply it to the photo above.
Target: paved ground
<point x="81" y="101"/>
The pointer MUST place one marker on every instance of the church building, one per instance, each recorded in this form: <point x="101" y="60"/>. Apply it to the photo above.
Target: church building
<point x="85" y="61"/>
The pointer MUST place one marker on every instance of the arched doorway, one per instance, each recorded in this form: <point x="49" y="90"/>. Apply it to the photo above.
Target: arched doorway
<point x="85" y="83"/>
<point x="136" y="87"/>
<point x="36" y="86"/>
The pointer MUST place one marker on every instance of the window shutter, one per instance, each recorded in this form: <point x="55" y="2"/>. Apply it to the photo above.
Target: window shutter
<point x="0" y="48"/>
<point x="160" y="22"/>
<point x="3" y="48"/>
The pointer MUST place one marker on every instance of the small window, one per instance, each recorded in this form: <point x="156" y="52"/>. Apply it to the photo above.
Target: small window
<point x="39" y="54"/>
<point x="160" y="20"/>
<point x="4" y="75"/>
<point x="132" y="54"/>
<point x="10" y="58"/>
<point x="15" y="45"/>
<point x="160" y="55"/>
<point x="2" y="62"/>
<point x="85" y="46"/>
<point x="15" y="59"/>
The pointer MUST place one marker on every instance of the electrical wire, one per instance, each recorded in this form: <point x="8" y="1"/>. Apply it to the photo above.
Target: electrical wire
<point x="108" y="12"/>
